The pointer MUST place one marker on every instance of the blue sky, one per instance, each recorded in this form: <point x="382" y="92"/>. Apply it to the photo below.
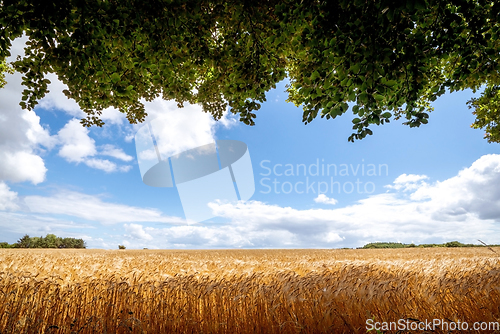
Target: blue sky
<point x="435" y="183"/>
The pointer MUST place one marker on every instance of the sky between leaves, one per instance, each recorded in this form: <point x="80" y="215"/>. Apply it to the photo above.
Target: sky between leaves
<point x="313" y="189"/>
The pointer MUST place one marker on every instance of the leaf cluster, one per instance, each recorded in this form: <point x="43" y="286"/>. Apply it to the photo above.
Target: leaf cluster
<point x="49" y="241"/>
<point x="383" y="59"/>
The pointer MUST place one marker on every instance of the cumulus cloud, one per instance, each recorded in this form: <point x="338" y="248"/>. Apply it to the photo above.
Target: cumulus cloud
<point x="22" y="166"/>
<point x="22" y="138"/>
<point x="94" y="209"/>
<point x="77" y="146"/>
<point x="179" y="129"/>
<point x="115" y="152"/>
<point x="322" y="198"/>
<point x="76" y="143"/>
<point x="102" y="164"/>
<point x="474" y="191"/>
<point x="136" y="231"/>
<point x="8" y="198"/>
<point x="113" y="116"/>
<point x="407" y="182"/>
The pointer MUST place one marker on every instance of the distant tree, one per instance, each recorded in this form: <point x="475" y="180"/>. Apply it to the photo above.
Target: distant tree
<point x="401" y="245"/>
<point x="66" y="243"/>
<point x="38" y="242"/>
<point x="24" y="242"/>
<point x="121" y="247"/>
<point x="454" y="244"/>
<point x="80" y="243"/>
<point x="49" y="241"/>
<point x="5" y="245"/>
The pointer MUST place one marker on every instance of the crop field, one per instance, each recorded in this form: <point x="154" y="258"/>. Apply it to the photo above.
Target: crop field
<point x="244" y="291"/>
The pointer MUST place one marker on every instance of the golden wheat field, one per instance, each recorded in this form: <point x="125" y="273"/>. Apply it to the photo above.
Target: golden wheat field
<point x="244" y="291"/>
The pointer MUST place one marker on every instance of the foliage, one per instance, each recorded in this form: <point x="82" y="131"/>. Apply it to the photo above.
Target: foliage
<point x="487" y="111"/>
<point x="388" y="59"/>
<point x="121" y="247"/>
<point x="49" y="241"/>
<point x="4" y="68"/>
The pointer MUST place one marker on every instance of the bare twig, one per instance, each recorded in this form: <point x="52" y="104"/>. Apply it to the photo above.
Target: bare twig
<point x="491" y="249"/>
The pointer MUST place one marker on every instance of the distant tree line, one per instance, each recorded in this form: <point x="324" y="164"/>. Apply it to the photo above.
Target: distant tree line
<point x="49" y="241"/>
<point x="401" y="245"/>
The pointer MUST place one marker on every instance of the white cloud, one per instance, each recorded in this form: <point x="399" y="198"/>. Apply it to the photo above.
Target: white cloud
<point x="408" y="182"/>
<point x="125" y="168"/>
<point x="322" y="198"/>
<point x="332" y="237"/>
<point x="8" y="198"/>
<point x="102" y="164"/>
<point x="115" y="152"/>
<point x="22" y="166"/>
<point x="22" y="138"/>
<point x="179" y="129"/>
<point x="93" y="208"/>
<point x="113" y="116"/>
<point x="78" y="147"/>
<point x="474" y="191"/>
<point x="76" y="143"/>
<point x="136" y="231"/>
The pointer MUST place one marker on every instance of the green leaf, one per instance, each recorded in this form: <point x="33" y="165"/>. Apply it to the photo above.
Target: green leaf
<point x="391" y="83"/>
<point x="115" y="77"/>
<point x="355" y="68"/>
<point x="314" y="75"/>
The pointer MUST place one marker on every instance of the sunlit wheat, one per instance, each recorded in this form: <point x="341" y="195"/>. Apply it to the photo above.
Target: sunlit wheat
<point x="242" y="291"/>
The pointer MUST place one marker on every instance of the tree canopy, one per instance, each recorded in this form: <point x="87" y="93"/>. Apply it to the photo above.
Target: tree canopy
<point x="386" y="58"/>
<point x="49" y="241"/>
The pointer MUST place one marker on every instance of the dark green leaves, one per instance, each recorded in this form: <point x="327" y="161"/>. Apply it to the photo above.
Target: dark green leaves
<point x="115" y="77"/>
<point x="386" y="58"/>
